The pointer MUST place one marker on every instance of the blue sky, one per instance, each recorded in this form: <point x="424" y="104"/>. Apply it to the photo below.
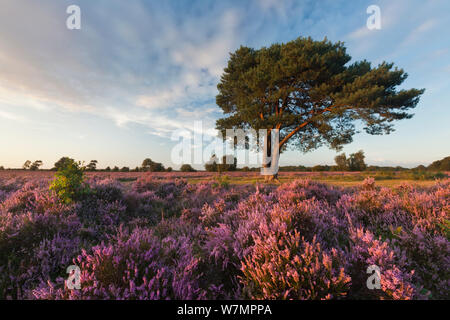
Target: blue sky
<point x="115" y="90"/>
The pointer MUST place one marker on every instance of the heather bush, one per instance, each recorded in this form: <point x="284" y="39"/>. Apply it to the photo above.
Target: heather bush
<point x="429" y="256"/>
<point x="30" y="198"/>
<point x="307" y="189"/>
<point x="102" y="208"/>
<point x="23" y="240"/>
<point x="127" y="269"/>
<point x="288" y="267"/>
<point x="145" y="183"/>
<point x="396" y="280"/>
<point x="134" y="266"/>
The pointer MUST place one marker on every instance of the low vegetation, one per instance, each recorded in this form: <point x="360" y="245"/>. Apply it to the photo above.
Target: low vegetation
<point x="161" y="237"/>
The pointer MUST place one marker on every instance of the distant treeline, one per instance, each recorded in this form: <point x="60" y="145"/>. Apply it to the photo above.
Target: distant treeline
<point x="147" y="165"/>
<point x="355" y="162"/>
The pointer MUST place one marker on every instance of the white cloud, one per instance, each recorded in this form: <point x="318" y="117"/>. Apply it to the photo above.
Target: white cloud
<point x="11" y="116"/>
<point x="359" y="33"/>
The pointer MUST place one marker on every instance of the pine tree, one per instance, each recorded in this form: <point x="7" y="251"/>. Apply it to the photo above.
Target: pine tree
<point x="308" y="90"/>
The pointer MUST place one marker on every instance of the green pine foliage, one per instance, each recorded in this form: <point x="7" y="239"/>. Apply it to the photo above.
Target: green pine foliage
<point x="311" y="92"/>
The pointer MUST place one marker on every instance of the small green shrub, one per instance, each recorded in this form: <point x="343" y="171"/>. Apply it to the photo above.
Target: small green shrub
<point x="69" y="182"/>
<point x="224" y="181"/>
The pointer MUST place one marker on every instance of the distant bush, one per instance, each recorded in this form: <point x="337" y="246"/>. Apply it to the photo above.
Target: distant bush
<point x="187" y="168"/>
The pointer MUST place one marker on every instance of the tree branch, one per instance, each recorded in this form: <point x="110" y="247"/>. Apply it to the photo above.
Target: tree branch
<point x="292" y="133"/>
<point x="301" y="126"/>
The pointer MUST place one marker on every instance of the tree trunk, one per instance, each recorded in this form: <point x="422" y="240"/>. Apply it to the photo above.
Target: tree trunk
<point x="271" y="155"/>
<point x="271" y="178"/>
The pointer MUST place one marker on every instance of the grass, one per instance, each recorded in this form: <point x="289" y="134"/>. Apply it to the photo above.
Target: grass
<point x="383" y="183"/>
<point x="343" y="181"/>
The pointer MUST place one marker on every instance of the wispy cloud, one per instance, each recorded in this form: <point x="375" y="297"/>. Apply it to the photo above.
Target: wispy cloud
<point x="11" y="116"/>
<point x="130" y="73"/>
<point x="420" y="32"/>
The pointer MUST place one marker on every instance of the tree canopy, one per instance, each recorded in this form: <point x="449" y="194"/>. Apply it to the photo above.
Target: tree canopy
<point x="92" y="166"/>
<point x="149" y="165"/>
<point x="26" y="165"/>
<point x="355" y="162"/>
<point x="311" y="92"/>
<point x="36" y="165"/>
<point x="187" y="168"/>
